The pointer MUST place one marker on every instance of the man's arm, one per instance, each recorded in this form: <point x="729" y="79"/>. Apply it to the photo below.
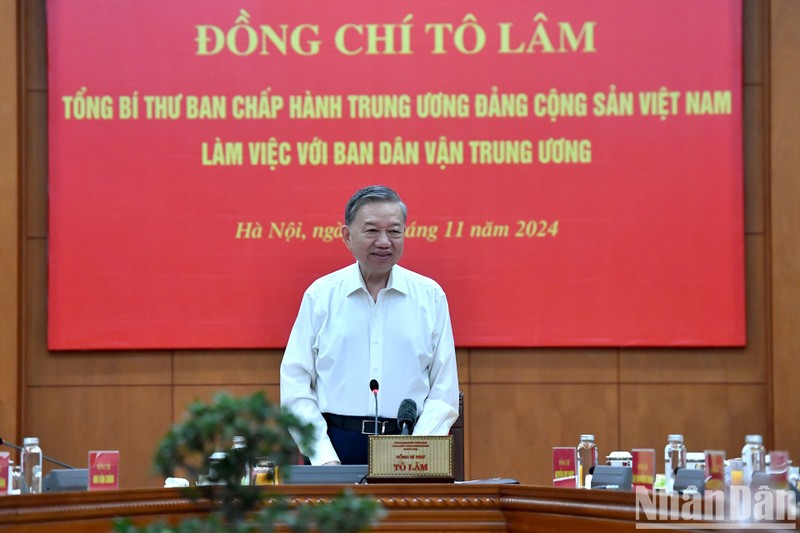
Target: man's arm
<point x="441" y="407"/>
<point x="298" y="379"/>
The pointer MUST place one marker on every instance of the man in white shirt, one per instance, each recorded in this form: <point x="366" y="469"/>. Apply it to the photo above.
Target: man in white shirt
<point x="370" y="322"/>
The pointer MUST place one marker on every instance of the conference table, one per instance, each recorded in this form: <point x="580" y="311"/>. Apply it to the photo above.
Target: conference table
<point x="410" y="507"/>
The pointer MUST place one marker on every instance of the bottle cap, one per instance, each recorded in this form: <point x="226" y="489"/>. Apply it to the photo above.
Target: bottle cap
<point x="587" y="436"/>
<point x="753" y="439"/>
<point x="30" y="441"/>
<point x="675" y="437"/>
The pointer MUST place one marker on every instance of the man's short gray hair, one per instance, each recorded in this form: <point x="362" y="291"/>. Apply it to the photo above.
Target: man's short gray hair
<point x="373" y="193"/>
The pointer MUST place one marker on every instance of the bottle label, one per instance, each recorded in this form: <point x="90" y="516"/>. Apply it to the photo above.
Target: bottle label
<point x="5" y="473"/>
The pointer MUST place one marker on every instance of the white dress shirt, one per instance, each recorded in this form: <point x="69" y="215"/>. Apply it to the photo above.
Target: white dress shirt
<point x="342" y="339"/>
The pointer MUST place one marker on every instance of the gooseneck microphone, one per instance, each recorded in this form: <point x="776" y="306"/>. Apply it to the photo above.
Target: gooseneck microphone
<point x="373" y="386"/>
<point x="407" y="416"/>
<point x="50" y="459"/>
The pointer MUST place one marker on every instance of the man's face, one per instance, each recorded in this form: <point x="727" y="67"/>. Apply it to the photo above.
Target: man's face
<point x="375" y="237"/>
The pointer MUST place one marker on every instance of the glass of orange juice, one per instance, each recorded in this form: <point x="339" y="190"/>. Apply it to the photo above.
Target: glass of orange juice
<point x="737" y="472"/>
<point x="265" y="472"/>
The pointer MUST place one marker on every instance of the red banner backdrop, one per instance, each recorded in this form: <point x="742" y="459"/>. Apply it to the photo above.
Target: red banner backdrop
<point x="573" y="169"/>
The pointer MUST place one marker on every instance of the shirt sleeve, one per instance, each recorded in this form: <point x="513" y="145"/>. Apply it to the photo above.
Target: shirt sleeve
<point x="440" y="410"/>
<point x="298" y="378"/>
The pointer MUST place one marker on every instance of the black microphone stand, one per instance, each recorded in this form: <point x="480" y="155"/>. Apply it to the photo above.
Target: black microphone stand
<point x="373" y="385"/>
<point x="375" y="392"/>
<point x="46" y="458"/>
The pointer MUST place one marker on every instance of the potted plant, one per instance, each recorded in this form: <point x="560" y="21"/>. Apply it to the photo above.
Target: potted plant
<point x="264" y="428"/>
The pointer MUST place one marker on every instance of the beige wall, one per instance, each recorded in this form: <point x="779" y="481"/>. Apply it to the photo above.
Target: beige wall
<point x="519" y="403"/>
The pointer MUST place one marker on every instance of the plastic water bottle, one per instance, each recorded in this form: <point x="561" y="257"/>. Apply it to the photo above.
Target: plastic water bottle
<point x="31" y="460"/>
<point x="754" y="457"/>
<point x="239" y="443"/>
<point x="588" y="456"/>
<point x="15" y="478"/>
<point x="674" y="458"/>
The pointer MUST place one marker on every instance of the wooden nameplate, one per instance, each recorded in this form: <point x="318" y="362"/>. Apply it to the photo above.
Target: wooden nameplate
<point x="410" y="459"/>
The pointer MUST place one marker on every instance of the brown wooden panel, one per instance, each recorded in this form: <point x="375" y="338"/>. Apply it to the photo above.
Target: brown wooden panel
<point x="71" y="421"/>
<point x="713" y="417"/>
<point x="513" y="428"/>
<point x="36" y="161"/>
<point x="709" y="365"/>
<point x="242" y="367"/>
<point x="185" y="395"/>
<point x="409" y="507"/>
<point x="9" y="217"/>
<point x="35" y="44"/>
<point x="785" y="220"/>
<point x="43" y="367"/>
<point x="590" y="365"/>
<point x="546" y="523"/>
<point x="753" y="40"/>
<point x="209" y="367"/>
<point x="421" y="507"/>
<point x="463" y="362"/>
<point x="466" y="389"/>
<point x="754" y="160"/>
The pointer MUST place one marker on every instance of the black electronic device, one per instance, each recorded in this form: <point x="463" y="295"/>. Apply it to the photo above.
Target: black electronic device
<point x="612" y="477"/>
<point x="323" y="474"/>
<point x="774" y="481"/>
<point x="689" y="480"/>
<point x="74" y="479"/>
<point x="762" y="479"/>
<point x="490" y="481"/>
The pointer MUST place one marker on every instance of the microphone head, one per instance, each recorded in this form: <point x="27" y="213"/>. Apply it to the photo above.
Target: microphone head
<point x="10" y="445"/>
<point x="407" y="412"/>
<point x="373" y="385"/>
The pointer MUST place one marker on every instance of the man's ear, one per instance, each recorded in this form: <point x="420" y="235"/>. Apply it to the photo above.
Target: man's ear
<point x="346" y="235"/>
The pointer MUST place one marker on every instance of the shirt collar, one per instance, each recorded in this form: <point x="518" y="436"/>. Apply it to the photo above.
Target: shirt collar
<point x="398" y="280"/>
